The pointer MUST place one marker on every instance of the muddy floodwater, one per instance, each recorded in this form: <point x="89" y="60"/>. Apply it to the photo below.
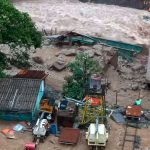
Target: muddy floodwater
<point x="108" y="21"/>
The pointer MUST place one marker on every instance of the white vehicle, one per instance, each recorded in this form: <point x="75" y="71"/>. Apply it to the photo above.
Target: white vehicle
<point x="97" y="135"/>
<point x="40" y="129"/>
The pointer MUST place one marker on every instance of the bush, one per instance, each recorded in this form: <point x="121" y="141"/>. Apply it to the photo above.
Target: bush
<point x="20" y="60"/>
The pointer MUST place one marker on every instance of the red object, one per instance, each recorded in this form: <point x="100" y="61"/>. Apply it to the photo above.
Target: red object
<point x="30" y="146"/>
<point x="93" y="101"/>
<point x="133" y="111"/>
<point x="69" y="136"/>
<point x="32" y="74"/>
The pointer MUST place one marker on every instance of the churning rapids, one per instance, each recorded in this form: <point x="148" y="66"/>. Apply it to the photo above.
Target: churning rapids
<point x="111" y="22"/>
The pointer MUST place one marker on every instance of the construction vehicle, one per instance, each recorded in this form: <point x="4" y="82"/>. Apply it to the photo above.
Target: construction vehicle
<point x="97" y="135"/>
<point x="94" y="102"/>
<point x="41" y="128"/>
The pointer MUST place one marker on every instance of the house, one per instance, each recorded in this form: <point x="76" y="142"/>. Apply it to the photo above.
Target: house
<point x="20" y="97"/>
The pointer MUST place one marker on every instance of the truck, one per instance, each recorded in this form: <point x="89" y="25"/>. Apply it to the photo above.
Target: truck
<point x="97" y="135"/>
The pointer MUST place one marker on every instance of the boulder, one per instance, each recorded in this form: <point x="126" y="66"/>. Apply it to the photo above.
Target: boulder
<point x="60" y="63"/>
<point x="70" y="52"/>
<point x="59" y="66"/>
<point x="98" y="52"/>
<point x="38" y="60"/>
<point x="49" y="67"/>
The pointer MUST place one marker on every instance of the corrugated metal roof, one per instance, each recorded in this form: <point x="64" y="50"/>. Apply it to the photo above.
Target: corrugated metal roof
<point x="18" y="94"/>
<point x="31" y="74"/>
<point x="69" y="136"/>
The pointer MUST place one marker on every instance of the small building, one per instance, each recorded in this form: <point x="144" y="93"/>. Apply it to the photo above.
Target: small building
<point x="66" y="114"/>
<point x="20" y="98"/>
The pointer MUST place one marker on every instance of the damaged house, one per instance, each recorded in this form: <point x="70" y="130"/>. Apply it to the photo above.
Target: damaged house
<point x="20" y="98"/>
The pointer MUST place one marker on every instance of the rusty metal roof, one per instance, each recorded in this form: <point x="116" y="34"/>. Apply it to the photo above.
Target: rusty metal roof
<point x="18" y="94"/>
<point x="133" y="111"/>
<point x="69" y="136"/>
<point x="31" y="74"/>
<point x="64" y="113"/>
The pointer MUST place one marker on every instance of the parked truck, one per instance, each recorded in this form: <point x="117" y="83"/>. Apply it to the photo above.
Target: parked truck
<point x="97" y="135"/>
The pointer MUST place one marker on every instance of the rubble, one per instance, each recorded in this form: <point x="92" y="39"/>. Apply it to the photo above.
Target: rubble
<point x="90" y="53"/>
<point x="84" y="48"/>
<point x="137" y="67"/>
<point x="98" y="52"/>
<point x="133" y="72"/>
<point x="60" y="64"/>
<point x="38" y="60"/>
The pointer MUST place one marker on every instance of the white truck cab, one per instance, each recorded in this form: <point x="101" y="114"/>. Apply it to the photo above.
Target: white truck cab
<point x="97" y="135"/>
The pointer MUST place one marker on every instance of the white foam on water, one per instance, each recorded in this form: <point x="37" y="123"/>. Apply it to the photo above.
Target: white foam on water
<point x="108" y="21"/>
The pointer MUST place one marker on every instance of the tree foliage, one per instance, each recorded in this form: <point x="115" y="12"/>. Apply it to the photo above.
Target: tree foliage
<point x="3" y="64"/>
<point x="82" y="68"/>
<point x="18" y="31"/>
<point x="17" y="28"/>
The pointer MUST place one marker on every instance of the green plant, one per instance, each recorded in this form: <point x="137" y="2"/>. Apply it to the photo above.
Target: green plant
<point x="82" y="68"/>
<point x="17" y="28"/>
<point x="18" y="31"/>
<point x="3" y="64"/>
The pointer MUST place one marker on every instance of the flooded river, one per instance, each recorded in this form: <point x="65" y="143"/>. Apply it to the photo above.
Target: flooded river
<point x="108" y="21"/>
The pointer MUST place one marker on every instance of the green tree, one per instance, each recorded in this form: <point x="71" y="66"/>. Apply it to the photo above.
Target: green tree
<point x="17" y="29"/>
<point x="82" y="68"/>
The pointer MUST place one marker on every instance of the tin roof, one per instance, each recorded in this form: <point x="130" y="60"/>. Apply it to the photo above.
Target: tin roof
<point x="133" y="111"/>
<point x="69" y="136"/>
<point x="32" y="74"/>
<point x="18" y="94"/>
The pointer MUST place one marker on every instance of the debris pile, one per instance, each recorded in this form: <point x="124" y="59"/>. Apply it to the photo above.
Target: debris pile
<point x="133" y="72"/>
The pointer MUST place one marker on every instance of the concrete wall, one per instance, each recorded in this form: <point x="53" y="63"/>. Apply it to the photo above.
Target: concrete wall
<point x="148" y="68"/>
<point x="38" y="100"/>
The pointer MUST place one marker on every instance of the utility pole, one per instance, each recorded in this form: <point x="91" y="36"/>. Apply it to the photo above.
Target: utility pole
<point x="116" y="97"/>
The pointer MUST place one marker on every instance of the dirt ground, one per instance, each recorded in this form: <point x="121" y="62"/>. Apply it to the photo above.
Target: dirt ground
<point x="51" y="143"/>
<point x="116" y="134"/>
<point x="56" y="80"/>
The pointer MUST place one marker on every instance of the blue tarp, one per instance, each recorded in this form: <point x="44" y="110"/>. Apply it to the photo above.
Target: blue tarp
<point x="118" y="117"/>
